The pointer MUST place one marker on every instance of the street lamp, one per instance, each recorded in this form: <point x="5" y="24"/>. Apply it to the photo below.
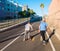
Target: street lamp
<point x="42" y="8"/>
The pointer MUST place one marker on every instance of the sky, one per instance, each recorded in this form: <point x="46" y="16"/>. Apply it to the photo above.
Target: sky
<point x="35" y="5"/>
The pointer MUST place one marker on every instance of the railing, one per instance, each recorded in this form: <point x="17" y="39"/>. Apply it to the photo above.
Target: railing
<point x="8" y="23"/>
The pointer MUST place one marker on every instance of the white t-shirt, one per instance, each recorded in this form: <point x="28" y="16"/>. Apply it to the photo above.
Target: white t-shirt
<point x="27" y="27"/>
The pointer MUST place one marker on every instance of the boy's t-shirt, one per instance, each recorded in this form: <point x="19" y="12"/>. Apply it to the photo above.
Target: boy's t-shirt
<point x="43" y="26"/>
<point x="27" y="27"/>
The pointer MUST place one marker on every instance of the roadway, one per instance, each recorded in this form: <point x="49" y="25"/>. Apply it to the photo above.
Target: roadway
<point x="17" y="44"/>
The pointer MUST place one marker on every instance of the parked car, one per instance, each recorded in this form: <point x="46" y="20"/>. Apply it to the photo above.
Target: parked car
<point x="35" y="18"/>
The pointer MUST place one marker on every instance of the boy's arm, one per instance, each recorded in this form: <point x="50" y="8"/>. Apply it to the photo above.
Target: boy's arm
<point x="39" y="29"/>
<point x="48" y="29"/>
<point x="31" y="27"/>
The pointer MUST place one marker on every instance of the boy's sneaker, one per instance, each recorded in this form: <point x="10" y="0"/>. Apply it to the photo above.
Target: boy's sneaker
<point x="33" y="39"/>
<point x="44" y="42"/>
<point x="23" y="39"/>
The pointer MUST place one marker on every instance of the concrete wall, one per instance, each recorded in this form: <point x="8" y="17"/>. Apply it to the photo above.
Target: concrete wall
<point x="54" y="16"/>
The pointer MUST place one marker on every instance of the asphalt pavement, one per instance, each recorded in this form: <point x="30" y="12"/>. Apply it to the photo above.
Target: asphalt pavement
<point x="34" y="44"/>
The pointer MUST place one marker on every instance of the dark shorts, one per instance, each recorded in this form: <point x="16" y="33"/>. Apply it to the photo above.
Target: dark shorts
<point x="43" y="34"/>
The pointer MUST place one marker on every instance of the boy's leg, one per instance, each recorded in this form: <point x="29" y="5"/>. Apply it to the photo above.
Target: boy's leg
<point x="28" y="34"/>
<point x="41" y="38"/>
<point x="43" y="35"/>
<point x="24" y="36"/>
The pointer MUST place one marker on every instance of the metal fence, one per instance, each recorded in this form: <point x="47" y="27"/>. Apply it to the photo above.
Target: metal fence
<point x="7" y="23"/>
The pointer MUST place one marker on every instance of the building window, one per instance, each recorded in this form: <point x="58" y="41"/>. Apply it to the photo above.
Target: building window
<point x="8" y="9"/>
<point x="14" y="16"/>
<point x="8" y="4"/>
<point x="2" y="8"/>
<point x="0" y="0"/>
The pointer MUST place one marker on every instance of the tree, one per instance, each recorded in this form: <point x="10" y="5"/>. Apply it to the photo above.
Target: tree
<point x="20" y="13"/>
<point x="31" y="12"/>
<point x="42" y="7"/>
<point x="26" y="13"/>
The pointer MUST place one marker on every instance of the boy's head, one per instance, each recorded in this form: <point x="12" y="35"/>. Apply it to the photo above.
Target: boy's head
<point x="44" y="19"/>
<point x="28" y="22"/>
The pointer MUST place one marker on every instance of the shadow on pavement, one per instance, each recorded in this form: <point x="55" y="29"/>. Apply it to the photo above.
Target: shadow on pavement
<point x="31" y="37"/>
<point x="9" y="38"/>
<point x="52" y="33"/>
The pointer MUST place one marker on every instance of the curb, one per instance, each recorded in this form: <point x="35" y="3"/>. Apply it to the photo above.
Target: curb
<point x="9" y="28"/>
<point x="13" y="26"/>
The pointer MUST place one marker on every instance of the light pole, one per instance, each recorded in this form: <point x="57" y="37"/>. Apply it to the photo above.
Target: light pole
<point x="42" y="8"/>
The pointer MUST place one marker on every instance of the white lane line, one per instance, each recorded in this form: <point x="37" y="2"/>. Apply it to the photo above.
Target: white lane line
<point x="53" y="48"/>
<point x="10" y="43"/>
<point x="11" y="26"/>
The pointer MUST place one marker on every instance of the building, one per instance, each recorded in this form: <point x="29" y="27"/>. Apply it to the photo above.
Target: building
<point x="25" y="7"/>
<point x="9" y="9"/>
<point x="54" y="16"/>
